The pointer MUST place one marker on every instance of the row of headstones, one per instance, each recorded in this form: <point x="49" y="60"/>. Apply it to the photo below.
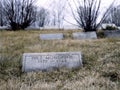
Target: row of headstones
<point x="80" y="35"/>
<point x="50" y="61"/>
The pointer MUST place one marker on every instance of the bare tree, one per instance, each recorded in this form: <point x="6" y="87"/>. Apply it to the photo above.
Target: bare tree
<point x="114" y="16"/>
<point x="87" y="13"/>
<point x="42" y="18"/>
<point x="58" y="12"/>
<point x="19" y="13"/>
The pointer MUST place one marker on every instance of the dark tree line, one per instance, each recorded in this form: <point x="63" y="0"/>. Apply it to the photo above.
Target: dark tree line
<point x="20" y="14"/>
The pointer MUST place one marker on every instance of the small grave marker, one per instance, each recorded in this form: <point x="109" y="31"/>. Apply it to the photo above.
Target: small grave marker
<point x="55" y="36"/>
<point x="85" y="35"/>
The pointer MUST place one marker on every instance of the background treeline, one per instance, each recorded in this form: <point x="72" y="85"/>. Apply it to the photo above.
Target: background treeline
<point x="20" y="14"/>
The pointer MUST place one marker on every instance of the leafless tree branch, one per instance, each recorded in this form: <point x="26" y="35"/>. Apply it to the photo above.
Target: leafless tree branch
<point x="19" y="13"/>
<point x="87" y="14"/>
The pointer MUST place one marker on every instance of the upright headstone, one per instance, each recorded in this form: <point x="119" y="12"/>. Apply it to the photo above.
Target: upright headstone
<point x="54" y="36"/>
<point x="50" y="61"/>
<point x="84" y="35"/>
<point x="112" y="34"/>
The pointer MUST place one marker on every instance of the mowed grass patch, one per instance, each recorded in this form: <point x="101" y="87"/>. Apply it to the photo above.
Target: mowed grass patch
<point x="100" y="71"/>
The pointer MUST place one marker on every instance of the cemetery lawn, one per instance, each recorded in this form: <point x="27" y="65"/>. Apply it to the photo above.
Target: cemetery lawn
<point x="100" y="71"/>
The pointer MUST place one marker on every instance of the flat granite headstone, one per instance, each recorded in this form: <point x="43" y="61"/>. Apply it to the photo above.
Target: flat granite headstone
<point x="58" y="36"/>
<point x="112" y="34"/>
<point x="84" y="35"/>
<point x="50" y="61"/>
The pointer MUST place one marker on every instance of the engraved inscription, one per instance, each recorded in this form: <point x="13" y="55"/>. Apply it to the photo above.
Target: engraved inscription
<point x="45" y="59"/>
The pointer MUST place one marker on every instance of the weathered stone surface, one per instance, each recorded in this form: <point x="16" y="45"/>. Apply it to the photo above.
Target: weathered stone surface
<point x="84" y="35"/>
<point x="51" y="36"/>
<point x="112" y="34"/>
<point x="50" y="61"/>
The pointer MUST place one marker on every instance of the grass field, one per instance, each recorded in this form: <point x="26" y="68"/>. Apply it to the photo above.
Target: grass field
<point x="100" y="71"/>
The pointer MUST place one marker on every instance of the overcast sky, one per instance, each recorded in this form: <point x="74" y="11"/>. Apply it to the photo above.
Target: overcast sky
<point x="46" y="4"/>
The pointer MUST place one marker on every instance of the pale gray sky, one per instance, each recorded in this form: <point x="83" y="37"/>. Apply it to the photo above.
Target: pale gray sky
<point x="43" y="3"/>
<point x="46" y="4"/>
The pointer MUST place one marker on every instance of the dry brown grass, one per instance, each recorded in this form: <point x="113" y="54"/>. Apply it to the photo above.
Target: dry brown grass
<point x="101" y="60"/>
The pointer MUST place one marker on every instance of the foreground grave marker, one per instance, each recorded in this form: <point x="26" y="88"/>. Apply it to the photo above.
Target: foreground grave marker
<point x="58" y="36"/>
<point x="84" y="35"/>
<point x="50" y="61"/>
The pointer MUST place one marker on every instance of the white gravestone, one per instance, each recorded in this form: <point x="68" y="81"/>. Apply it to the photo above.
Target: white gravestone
<point x="58" y="36"/>
<point x="112" y="34"/>
<point x="50" y="61"/>
<point x="85" y="35"/>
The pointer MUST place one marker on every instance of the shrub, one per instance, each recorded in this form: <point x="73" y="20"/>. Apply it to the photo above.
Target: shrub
<point x="110" y="28"/>
<point x="100" y="33"/>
